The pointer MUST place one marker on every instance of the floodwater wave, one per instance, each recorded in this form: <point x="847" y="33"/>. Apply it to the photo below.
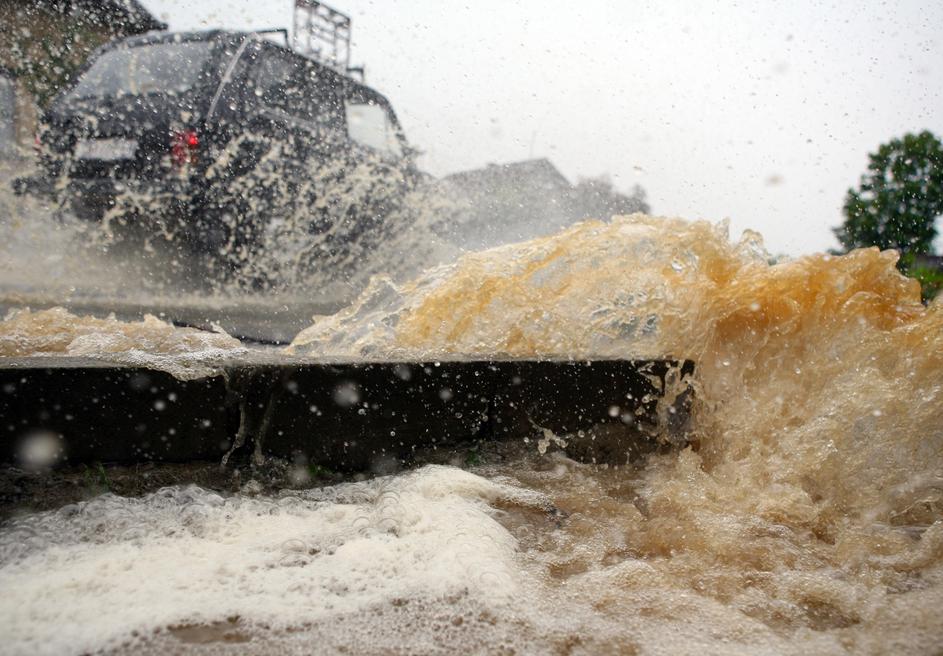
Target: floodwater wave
<point x="187" y="353"/>
<point x="806" y="516"/>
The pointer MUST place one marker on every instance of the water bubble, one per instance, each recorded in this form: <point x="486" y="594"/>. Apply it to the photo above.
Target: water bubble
<point x="346" y="394"/>
<point x="139" y="382"/>
<point x="40" y="449"/>
<point x="614" y="411"/>
<point x="300" y="475"/>
<point x="445" y="394"/>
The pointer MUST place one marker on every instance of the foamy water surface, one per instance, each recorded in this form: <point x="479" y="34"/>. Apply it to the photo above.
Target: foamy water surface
<point x="805" y="517"/>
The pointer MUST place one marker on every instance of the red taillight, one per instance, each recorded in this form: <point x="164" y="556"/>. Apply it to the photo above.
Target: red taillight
<point x="183" y="147"/>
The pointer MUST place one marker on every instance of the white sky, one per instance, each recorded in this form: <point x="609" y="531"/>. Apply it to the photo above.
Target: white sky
<point x="762" y="112"/>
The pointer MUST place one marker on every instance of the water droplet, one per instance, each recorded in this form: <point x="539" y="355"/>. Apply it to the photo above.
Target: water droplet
<point x="40" y="449"/>
<point x="346" y="394"/>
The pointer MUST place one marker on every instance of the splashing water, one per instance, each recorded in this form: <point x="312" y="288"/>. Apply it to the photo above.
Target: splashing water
<point x="186" y="353"/>
<point x="813" y="497"/>
<point x="312" y="252"/>
<point x="806" y="516"/>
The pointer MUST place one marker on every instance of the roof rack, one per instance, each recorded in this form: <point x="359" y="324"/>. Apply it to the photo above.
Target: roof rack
<point x="276" y="30"/>
<point x="323" y="33"/>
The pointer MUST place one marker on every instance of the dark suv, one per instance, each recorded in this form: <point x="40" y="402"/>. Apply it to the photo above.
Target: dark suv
<point x="215" y="133"/>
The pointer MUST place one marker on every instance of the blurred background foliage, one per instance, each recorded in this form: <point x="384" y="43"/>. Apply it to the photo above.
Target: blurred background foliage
<point x="897" y="205"/>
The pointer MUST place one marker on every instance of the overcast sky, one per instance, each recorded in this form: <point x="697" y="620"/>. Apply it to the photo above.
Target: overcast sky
<point x="762" y="113"/>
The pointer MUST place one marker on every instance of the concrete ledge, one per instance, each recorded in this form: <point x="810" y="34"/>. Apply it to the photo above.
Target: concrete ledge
<point x="342" y="415"/>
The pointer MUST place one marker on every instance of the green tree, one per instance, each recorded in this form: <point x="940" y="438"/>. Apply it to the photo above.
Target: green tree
<point x="899" y="199"/>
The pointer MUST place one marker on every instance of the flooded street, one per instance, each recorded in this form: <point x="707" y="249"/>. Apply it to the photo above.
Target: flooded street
<point x="511" y="329"/>
<point x="805" y="516"/>
<point x="49" y="258"/>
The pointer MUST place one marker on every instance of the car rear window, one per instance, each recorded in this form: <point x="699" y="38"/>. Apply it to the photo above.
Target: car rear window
<point x="369" y="124"/>
<point x="153" y="68"/>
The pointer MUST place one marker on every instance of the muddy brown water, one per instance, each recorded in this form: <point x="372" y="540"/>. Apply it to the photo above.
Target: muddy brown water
<point x="805" y="517"/>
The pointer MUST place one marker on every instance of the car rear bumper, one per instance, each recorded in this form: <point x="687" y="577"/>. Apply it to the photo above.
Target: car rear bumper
<point x="34" y="185"/>
<point x="92" y="199"/>
<point x="178" y="204"/>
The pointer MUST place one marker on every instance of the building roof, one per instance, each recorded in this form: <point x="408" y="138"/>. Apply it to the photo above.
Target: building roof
<point x="930" y="261"/>
<point x="506" y="202"/>
<point x="531" y="173"/>
<point x="522" y="200"/>
<point x="137" y="15"/>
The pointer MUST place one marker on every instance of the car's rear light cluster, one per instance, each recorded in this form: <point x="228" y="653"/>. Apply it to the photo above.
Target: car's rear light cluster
<point x="184" y="145"/>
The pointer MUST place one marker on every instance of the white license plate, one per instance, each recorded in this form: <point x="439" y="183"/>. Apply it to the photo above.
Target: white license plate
<point x="106" y="149"/>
